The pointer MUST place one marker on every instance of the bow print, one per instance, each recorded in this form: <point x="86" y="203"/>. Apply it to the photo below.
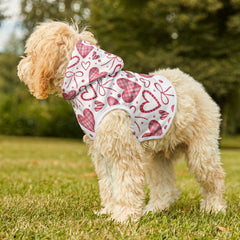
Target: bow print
<point x="102" y="87"/>
<point x="112" y="58"/>
<point x="73" y="75"/>
<point x="164" y="94"/>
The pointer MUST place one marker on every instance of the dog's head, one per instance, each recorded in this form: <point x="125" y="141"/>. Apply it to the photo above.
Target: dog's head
<point x="48" y="51"/>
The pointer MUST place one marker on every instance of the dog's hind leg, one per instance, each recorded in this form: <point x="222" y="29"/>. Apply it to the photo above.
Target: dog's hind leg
<point x="204" y="161"/>
<point x="160" y="177"/>
<point x="123" y="154"/>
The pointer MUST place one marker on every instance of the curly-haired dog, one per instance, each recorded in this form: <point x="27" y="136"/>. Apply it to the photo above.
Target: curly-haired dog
<point x="135" y="124"/>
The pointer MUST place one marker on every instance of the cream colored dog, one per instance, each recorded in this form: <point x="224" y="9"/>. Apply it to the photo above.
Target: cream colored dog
<point x="122" y="163"/>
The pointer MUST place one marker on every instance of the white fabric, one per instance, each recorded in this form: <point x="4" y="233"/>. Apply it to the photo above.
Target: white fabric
<point x="96" y="85"/>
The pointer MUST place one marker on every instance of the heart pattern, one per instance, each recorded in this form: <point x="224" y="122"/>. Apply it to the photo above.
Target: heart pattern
<point x="87" y="119"/>
<point x="164" y="114"/>
<point x="95" y="74"/>
<point x="85" y="65"/>
<point x="131" y="89"/>
<point x="88" y="94"/>
<point x="70" y="95"/>
<point x="145" y="82"/>
<point x="112" y="101"/>
<point x="155" y="129"/>
<point x="96" y="85"/>
<point x="95" y="56"/>
<point x="151" y="103"/>
<point x="98" y="105"/>
<point x="83" y="49"/>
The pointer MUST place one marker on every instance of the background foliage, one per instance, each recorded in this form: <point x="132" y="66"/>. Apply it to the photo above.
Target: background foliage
<point x="199" y="37"/>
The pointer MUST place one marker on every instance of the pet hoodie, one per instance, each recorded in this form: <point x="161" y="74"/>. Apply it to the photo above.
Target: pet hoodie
<point x="95" y="84"/>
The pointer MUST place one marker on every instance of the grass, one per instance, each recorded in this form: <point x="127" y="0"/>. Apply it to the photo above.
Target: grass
<point x="48" y="190"/>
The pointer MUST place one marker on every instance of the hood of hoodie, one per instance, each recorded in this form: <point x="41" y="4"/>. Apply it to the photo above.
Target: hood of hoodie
<point x="88" y="64"/>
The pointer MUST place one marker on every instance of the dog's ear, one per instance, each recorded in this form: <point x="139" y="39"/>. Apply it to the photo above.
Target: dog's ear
<point x="39" y="67"/>
<point x="48" y="51"/>
<point x="25" y="72"/>
<point x="45" y="61"/>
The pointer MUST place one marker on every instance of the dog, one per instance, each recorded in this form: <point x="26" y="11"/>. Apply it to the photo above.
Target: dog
<point x="57" y="62"/>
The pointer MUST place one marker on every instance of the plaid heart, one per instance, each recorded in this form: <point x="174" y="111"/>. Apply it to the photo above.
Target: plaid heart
<point x="94" y="74"/>
<point x="98" y="105"/>
<point x="112" y="101"/>
<point x="155" y="129"/>
<point x="70" y="95"/>
<point x="83" y="49"/>
<point x="87" y="119"/>
<point x="131" y="89"/>
<point x="164" y="114"/>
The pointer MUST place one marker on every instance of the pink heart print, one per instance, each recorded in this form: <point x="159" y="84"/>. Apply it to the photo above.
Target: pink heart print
<point x="70" y="95"/>
<point x="98" y="105"/>
<point x="96" y="84"/>
<point x="87" y="120"/>
<point x="95" y="56"/>
<point x="151" y="103"/>
<point x="145" y="81"/>
<point x="83" y="49"/>
<point x="89" y="93"/>
<point x="131" y="89"/>
<point x="112" y="101"/>
<point x="85" y="65"/>
<point x="95" y="74"/>
<point x="164" y="114"/>
<point x="155" y="129"/>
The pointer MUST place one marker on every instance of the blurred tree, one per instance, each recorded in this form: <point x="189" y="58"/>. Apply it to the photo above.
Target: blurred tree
<point x="8" y="77"/>
<point x="134" y="3"/>
<point x="20" y="113"/>
<point x="200" y="37"/>
<point x="36" y="11"/>
<point x="2" y="9"/>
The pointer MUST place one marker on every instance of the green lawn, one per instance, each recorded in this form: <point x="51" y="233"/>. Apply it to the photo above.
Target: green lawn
<point x="48" y="190"/>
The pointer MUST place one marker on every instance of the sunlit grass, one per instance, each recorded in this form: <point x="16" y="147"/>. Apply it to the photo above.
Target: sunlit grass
<point x="48" y="190"/>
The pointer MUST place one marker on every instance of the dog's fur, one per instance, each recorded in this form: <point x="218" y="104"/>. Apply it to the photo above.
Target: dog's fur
<point x="122" y="163"/>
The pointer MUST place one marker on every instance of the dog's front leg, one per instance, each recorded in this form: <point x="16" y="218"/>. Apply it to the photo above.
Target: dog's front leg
<point x="104" y="177"/>
<point x="123" y="155"/>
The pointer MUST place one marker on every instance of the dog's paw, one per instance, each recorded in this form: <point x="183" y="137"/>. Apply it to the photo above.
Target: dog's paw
<point x="103" y="211"/>
<point x="124" y="215"/>
<point x="213" y="205"/>
<point x="156" y="206"/>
